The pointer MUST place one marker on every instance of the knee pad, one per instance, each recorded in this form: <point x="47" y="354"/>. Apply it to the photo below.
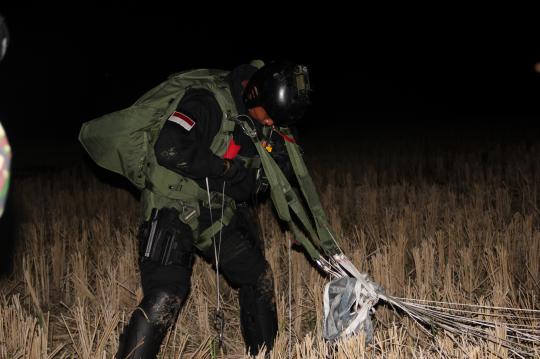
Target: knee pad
<point x="258" y="299"/>
<point x="264" y="287"/>
<point x="161" y="308"/>
<point x="148" y="324"/>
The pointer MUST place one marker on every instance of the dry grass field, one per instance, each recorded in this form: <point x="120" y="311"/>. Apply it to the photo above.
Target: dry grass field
<point x="452" y="222"/>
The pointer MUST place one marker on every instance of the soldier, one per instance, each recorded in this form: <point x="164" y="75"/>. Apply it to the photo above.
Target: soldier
<point x="199" y="183"/>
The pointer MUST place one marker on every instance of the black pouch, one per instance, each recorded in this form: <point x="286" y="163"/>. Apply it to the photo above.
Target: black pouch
<point x="166" y="240"/>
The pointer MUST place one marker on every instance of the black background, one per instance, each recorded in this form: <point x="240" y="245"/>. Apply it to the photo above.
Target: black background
<point x="412" y="73"/>
<point x="418" y="70"/>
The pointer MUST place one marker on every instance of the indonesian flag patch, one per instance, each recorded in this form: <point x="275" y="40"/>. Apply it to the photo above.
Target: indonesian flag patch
<point x="182" y="119"/>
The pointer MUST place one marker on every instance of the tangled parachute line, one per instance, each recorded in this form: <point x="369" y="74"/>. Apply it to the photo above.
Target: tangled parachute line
<point x="350" y="298"/>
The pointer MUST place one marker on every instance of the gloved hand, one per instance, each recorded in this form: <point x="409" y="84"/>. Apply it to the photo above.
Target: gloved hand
<point x="243" y="189"/>
<point x="239" y="181"/>
<point x="234" y="171"/>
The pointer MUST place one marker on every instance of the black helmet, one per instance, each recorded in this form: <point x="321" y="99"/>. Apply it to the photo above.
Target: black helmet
<point x="282" y="89"/>
<point x="4" y="37"/>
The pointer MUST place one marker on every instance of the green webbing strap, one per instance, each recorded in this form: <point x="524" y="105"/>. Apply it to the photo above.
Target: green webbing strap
<point x="188" y="191"/>
<point x="326" y="236"/>
<point x="304" y="241"/>
<point x="205" y="238"/>
<point x="284" y="197"/>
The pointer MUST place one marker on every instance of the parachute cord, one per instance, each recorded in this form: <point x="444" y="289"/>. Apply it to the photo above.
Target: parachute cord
<point x="290" y="295"/>
<point x="219" y="320"/>
<point x="333" y="239"/>
<point x="220" y="232"/>
<point x="216" y="259"/>
<point x="221" y="220"/>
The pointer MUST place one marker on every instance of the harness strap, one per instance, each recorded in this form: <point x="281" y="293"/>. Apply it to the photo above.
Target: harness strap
<point x="205" y="238"/>
<point x="326" y="236"/>
<point x="286" y="199"/>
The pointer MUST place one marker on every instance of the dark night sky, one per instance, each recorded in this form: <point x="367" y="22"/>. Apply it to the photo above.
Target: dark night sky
<point x="439" y="69"/>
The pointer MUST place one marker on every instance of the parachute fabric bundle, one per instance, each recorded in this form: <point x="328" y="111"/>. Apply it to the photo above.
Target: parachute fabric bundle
<point x="348" y="303"/>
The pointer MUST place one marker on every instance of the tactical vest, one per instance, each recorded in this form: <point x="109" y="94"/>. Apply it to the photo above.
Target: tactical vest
<point x="123" y="142"/>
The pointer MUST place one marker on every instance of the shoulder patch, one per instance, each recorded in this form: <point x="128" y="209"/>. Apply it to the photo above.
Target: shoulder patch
<point x="182" y="119"/>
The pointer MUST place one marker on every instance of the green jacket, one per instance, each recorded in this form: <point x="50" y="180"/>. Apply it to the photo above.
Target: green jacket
<point x="123" y="141"/>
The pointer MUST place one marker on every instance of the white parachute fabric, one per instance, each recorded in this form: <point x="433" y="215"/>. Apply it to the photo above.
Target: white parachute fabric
<point x="348" y="303"/>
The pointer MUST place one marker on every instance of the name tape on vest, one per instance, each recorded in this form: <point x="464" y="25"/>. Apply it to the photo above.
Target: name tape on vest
<point x="182" y="119"/>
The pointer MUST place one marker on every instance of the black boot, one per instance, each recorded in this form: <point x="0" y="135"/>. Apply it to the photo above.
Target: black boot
<point x="149" y="322"/>
<point x="258" y="316"/>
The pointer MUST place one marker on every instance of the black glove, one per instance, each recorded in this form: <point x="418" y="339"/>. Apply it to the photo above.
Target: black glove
<point x="234" y="171"/>
<point x="243" y="190"/>
<point x="239" y="181"/>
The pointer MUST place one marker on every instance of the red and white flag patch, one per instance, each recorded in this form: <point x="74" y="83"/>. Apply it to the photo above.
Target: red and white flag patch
<point x="182" y="119"/>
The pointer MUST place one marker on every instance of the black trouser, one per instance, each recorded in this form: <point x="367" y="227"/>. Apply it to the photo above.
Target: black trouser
<point x="166" y="283"/>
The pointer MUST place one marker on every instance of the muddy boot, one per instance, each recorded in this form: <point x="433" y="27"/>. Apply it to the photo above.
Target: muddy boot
<point x="148" y="325"/>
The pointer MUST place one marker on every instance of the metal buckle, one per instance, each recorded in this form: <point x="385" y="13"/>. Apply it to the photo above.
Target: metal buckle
<point x="250" y="132"/>
<point x="188" y="213"/>
<point x="216" y="201"/>
<point x="262" y="181"/>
